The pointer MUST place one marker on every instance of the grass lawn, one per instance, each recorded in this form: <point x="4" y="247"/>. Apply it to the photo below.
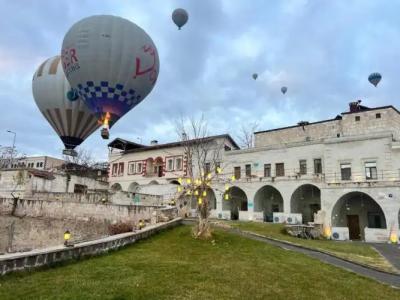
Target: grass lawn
<point x="172" y="265"/>
<point x="355" y="251"/>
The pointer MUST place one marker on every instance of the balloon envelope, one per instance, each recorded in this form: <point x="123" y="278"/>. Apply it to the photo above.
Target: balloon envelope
<point x="284" y="89"/>
<point x="255" y="75"/>
<point x="374" y="78"/>
<point x="112" y="63"/>
<point x="180" y="17"/>
<point x="60" y="105"/>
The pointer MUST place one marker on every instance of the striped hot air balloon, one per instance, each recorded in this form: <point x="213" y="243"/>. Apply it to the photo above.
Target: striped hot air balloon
<point x="61" y="105"/>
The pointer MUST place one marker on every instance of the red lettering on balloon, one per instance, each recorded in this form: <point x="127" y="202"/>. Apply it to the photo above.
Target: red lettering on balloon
<point x="152" y="70"/>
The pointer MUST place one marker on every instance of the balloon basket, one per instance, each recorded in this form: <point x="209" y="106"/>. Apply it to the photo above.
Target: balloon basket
<point x="70" y="152"/>
<point x="105" y="134"/>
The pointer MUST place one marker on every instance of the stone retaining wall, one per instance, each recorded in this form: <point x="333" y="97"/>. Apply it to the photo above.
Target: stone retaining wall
<point x="76" y="210"/>
<point x="28" y="260"/>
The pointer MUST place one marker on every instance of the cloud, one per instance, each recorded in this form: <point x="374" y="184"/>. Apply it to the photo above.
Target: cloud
<point x="322" y="51"/>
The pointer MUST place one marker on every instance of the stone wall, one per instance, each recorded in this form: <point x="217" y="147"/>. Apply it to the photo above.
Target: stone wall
<point x="20" y="261"/>
<point x="76" y="210"/>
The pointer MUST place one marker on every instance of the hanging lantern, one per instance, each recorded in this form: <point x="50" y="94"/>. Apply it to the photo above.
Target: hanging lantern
<point x="233" y="178"/>
<point x="226" y="197"/>
<point x="226" y="187"/>
<point x="209" y="176"/>
<point x="204" y="194"/>
<point x="196" y="192"/>
<point x="179" y="189"/>
<point x="188" y="192"/>
<point x="188" y="181"/>
<point x="200" y="200"/>
<point x="219" y="170"/>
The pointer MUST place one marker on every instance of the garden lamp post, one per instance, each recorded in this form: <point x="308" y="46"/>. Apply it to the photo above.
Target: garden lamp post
<point x="67" y="236"/>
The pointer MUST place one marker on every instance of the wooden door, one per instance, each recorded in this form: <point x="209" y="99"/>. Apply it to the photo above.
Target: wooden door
<point x="353" y="224"/>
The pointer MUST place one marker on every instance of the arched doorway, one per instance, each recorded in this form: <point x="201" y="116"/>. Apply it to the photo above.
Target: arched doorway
<point x="158" y="167"/>
<point x="153" y="182"/>
<point x="174" y="182"/>
<point x="306" y="200"/>
<point x="357" y="210"/>
<point x="237" y="201"/>
<point x="116" y="187"/>
<point x="149" y="166"/>
<point x="268" y="200"/>
<point x="133" y="187"/>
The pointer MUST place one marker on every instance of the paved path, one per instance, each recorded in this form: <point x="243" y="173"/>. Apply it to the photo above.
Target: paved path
<point x="390" y="252"/>
<point x="391" y="279"/>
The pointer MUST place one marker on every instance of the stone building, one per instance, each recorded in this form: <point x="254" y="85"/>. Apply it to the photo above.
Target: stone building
<point x="343" y="171"/>
<point x="36" y="162"/>
<point x="139" y="170"/>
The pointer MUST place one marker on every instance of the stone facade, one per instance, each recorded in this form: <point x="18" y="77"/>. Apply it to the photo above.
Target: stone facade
<point x="346" y="170"/>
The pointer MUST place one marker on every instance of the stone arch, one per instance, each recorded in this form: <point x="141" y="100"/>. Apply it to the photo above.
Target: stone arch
<point x="174" y="182"/>
<point x="306" y="200"/>
<point x="158" y="166"/>
<point x="116" y="187"/>
<point x="356" y="211"/>
<point x="237" y="201"/>
<point x="133" y="187"/>
<point x="268" y="200"/>
<point x="153" y="182"/>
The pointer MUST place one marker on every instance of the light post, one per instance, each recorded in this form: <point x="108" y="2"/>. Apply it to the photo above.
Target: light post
<point x="13" y="146"/>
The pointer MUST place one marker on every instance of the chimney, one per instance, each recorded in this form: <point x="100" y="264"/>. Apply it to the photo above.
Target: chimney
<point x="355" y="106"/>
<point x="154" y="142"/>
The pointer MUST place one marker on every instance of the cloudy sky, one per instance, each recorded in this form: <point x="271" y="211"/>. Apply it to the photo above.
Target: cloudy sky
<point x="323" y="51"/>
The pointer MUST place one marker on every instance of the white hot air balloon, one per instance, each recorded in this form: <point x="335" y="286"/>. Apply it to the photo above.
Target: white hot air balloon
<point x="112" y="63"/>
<point x="61" y="106"/>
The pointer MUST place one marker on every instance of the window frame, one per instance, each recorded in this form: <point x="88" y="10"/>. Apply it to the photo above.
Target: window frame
<point x="342" y="167"/>
<point x="235" y="172"/>
<point x="320" y="164"/>
<point x="269" y="168"/>
<point x="283" y="170"/>
<point x="372" y="166"/>
<point x="247" y="168"/>
<point x="121" y="167"/>
<point x="114" y="169"/>
<point x="303" y="166"/>
<point x="175" y="163"/>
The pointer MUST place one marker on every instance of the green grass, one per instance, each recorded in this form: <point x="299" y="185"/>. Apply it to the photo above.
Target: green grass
<point x="355" y="251"/>
<point x="173" y="265"/>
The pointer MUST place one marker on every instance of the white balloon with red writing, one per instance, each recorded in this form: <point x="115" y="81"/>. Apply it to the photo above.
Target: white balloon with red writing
<point x="111" y="62"/>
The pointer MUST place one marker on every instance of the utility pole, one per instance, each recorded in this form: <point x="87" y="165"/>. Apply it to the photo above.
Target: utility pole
<point x="13" y="146"/>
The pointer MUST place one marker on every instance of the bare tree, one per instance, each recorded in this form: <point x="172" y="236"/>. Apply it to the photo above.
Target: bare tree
<point x="9" y="156"/>
<point x="246" y="135"/>
<point x="83" y="158"/>
<point x="203" y="157"/>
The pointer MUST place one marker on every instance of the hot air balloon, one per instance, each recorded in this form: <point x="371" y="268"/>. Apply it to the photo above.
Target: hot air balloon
<point x="284" y="90"/>
<point x="61" y="105"/>
<point x="180" y="17"/>
<point x="112" y="63"/>
<point x="255" y="75"/>
<point x="374" y="78"/>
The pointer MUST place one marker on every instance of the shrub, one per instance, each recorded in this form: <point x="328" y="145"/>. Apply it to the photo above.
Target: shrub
<point x="119" y="227"/>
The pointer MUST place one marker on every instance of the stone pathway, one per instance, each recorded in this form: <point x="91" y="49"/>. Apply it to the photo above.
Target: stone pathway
<point x="391" y="252"/>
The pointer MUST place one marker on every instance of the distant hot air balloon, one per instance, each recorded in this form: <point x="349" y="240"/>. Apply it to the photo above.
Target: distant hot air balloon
<point x="61" y="105"/>
<point x="112" y="63"/>
<point x="284" y="90"/>
<point x="374" y="78"/>
<point x="180" y="17"/>
<point x="255" y="75"/>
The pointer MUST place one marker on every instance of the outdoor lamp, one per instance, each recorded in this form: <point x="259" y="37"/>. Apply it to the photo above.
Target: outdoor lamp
<point x="219" y="170"/>
<point x="196" y="192"/>
<point x="180" y="180"/>
<point x="179" y="189"/>
<point x="188" y="181"/>
<point x="200" y="200"/>
<point x="67" y="236"/>
<point x="226" y="187"/>
<point x="226" y="197"/>
<point x="204" y="193"/>
<point x="233" y="178"/>
<point x="209" y="175"/>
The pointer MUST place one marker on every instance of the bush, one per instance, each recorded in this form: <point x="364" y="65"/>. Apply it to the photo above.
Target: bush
<point x="120" y="228"/>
